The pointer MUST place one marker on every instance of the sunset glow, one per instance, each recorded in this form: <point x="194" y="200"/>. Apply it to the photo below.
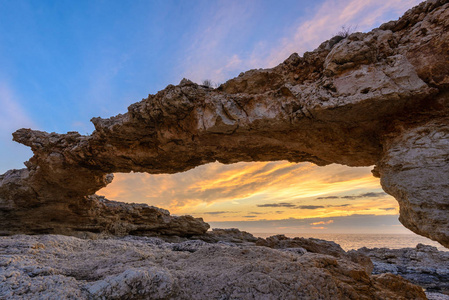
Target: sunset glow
<point x="259" y="191"/>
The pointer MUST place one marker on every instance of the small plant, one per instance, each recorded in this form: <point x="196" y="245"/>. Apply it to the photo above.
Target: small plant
<point x="346" y="31"/>
<point x="207" y="83"/>
<point x="210" y="84"/>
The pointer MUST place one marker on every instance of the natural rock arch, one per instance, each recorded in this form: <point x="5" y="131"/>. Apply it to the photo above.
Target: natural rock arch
<point x="379" y="98"/>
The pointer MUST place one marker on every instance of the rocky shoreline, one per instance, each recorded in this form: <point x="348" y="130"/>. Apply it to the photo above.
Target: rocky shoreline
<point x="222" y="264"/>
<point x="423" y="265"/>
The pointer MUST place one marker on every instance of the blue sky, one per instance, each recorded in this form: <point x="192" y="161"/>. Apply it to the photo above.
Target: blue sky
<point x="64" y="62"/>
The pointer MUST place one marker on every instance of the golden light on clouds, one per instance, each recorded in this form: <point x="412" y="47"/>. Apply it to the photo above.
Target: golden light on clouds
<point x="258" y="191"/>
<point x="322" y="222"/>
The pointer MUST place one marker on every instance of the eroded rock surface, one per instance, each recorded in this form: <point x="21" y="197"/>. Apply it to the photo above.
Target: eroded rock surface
<point x="415" y="170"/>
<point x="63" y="267"/>
<point x="423" y="265"/>
<point x="312" y="245"/>
<point x="377" y="98"/>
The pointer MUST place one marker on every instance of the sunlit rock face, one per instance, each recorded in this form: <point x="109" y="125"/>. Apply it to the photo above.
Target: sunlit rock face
<point x="378" y="98"/>
<point x="415" y="170"/>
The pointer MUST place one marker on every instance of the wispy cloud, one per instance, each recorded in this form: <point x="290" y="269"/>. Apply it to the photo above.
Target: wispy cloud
<point x="352" y="197"/>
<point x="283" y="204"/>
<point x="210" y="54"/>
<point x="210" y="57"/>
<point x="329" y="19"/>
<point x="322" y="222"/>
<point x="366" y="195"/>
<point x="12" y="117"/>
<point x="217" y="212"/>
<point x="230" y="192"/>
<point x="310" y="206"/>
<point x="388" y="208"/>
<point x="12" y="114"/>
<point x="341" y="205"/>
<point x="272" y="184"/>
<point x="371" y="195"/>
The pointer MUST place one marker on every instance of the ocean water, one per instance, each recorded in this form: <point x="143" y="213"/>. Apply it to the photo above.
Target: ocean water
<point x="356" y="241"/>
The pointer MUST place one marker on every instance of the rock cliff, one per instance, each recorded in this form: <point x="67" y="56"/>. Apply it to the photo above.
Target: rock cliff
<point x="378" y="98"/>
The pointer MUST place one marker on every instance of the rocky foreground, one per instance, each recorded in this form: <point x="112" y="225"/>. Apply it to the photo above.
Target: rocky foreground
<point x="423" y="265"/>
<point x="64" y="267"/>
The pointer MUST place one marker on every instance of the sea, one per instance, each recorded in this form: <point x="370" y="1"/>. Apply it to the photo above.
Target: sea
<point x="357" y="241"/>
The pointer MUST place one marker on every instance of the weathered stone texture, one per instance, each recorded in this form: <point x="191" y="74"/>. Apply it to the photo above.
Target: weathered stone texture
<point x="62" y="267"/>
<point x="423" y="265"/>
<point x="415" y="170"/>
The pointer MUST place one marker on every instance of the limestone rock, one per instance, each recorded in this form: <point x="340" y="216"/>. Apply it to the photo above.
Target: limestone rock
<point x="423" y="265"/>
<point x="415" y="170"/>
<point x="232" y="235"/>
<point x="93" y="215"/>
<point x="313" y="245"/>
<point x="368" y="99"/>
<point x="62" y="267"/>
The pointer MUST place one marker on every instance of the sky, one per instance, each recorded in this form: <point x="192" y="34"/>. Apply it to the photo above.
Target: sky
<point x="64" y="62"/>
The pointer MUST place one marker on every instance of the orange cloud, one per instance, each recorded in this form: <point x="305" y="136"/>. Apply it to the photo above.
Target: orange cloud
<point x="306" y="190"/>
<point x="217" y="182"/>
<point x="322" y="222"/>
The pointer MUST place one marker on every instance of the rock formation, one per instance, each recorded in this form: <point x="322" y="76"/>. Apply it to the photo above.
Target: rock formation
<point x="378" y="98"/>
<point x="63" y="267"/>
<point x="423" y="265"/>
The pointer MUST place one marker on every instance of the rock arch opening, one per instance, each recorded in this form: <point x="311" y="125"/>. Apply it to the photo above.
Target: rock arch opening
<point x="265" y="191"/>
